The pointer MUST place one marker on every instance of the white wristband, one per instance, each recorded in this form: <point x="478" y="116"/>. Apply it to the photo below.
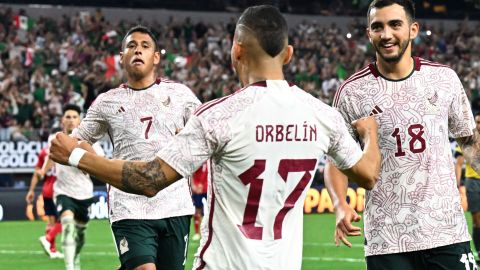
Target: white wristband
<point x="75" y="156"/>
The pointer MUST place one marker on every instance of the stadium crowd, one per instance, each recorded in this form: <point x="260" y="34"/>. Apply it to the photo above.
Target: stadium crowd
<point x="51" y="62"/>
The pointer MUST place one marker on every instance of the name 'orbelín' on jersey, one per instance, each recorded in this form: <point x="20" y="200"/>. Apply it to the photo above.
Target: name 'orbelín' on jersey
<point x="139" y="122"/>
<point x="290" y="132"/>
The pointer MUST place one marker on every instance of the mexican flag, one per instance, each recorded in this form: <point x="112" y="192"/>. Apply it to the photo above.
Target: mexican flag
<point x="23" y="22"/>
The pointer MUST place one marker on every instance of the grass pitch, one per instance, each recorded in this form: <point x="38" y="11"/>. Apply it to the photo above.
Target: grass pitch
<point x="21" y="250"/>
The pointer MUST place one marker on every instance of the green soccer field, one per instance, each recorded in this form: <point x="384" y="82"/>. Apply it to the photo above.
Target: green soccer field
<point x="21" y="250"/>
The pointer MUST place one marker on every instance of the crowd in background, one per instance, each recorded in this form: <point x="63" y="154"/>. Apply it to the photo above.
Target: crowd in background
<point x="54" y="61"/>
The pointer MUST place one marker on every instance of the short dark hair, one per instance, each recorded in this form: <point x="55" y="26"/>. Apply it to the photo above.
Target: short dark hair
<point x="268" y="25"/>
<point x="407" y="5"/>
<point x="72" y="107"/>
<point x="141" y="29"/>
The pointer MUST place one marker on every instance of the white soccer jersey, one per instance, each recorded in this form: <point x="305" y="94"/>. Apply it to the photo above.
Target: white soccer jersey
<point x="265" y="141"/>
<point x="140" y="123"/>
<point x="416" y="204"/>
<point x="73" y="182"/>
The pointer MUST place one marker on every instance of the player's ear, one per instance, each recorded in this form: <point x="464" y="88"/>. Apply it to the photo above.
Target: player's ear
<point x="288" y="54"/>
<point x="367" y="32"/>
<point x="414" y="28"/>
<point x="237" y="50"/>
<point x="121" y="58"/>
<point x="156" y="58"/>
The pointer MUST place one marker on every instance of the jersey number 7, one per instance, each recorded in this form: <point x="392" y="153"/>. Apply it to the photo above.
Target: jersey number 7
<point x="250" y="176"/>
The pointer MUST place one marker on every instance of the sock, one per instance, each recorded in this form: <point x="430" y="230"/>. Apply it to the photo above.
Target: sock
<point x="196" y="222"/>
<point x="476" y="239"/>
<point x="48" y="228"/>
<point x="52" y="233"/>
<point x="68" y="241"/>
<point x="80" y="241"/>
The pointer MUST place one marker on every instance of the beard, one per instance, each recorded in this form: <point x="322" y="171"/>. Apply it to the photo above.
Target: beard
<point x="394" y="58"/>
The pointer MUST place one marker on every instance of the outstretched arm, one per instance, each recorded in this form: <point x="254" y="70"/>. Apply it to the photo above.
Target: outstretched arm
<point x="337" y="184"/>
<point x="471" y="149"/>
<point x="138" y="177"/>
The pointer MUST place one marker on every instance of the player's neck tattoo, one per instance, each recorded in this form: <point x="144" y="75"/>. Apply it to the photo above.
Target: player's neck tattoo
<point x="143" y="178"/>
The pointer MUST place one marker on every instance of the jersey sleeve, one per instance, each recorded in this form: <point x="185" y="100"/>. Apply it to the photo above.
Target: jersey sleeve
<point x="460" y="117"/>
<point x="190" y="148"/>
<point x="94" y="126"/>
<point x="343" y="150"/>
<point x="345" y="105"/>
<point x="191" y="104"/>
<point x="41" y="158"/>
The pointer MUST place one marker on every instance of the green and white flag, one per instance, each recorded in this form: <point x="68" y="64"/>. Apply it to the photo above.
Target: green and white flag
<point x="23" y="22"/>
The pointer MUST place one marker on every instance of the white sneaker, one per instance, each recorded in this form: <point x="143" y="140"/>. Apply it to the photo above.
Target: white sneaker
<point x="196" y="237"/>
<point x="56" y="255"/>
<point x="46" y="245"/>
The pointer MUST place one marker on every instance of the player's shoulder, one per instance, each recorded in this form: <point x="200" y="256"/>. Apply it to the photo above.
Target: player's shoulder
<point x="177" y="87"/>
<point x="350" y="84"/>
<point x="422" y="64"/>
<point x="171" y="84"/>
<point x="219" y="103"/>
<point x="112" y="93"/>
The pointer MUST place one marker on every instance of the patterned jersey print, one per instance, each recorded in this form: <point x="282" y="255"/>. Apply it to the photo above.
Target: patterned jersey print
<point x="416" y="204"/>
<point x="139" y="123"/>
<point x="73" y="182"/>
<point x="264" y="141"/>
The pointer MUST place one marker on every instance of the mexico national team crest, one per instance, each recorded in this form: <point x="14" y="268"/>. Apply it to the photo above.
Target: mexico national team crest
<point x="123" y="245"/>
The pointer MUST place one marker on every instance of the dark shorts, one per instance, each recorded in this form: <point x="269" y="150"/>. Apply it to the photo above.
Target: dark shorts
<point x="49" y="207"/>
<point x="163" y="242"/>
<point x="473" y="194"/>
<point x="197" y="199"/>
<point x="78" y="207"/>
<point x="452" y="257"/>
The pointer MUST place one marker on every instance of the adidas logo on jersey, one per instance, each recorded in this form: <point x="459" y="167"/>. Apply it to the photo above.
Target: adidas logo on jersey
<point x="376" y="110"/>
<point x="121" y="109"/>
<point x="123" y="245"/>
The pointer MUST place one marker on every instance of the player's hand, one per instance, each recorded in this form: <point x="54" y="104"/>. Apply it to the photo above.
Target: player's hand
<point x="365" y="125"/>
<point x="29" y="197"/>
<point x="344" y="217"/>
<point x="61" y="148"/>
<point x="86" y="146"/>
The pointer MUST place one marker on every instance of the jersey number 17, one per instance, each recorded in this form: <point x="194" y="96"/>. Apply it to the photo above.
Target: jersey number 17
<point x="250" y="177"/>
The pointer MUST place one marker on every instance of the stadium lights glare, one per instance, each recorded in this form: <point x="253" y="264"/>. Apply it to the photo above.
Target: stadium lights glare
<point x="162" y="51"/>
<point x="428" y="32"/>
<point x="349" y="35"/>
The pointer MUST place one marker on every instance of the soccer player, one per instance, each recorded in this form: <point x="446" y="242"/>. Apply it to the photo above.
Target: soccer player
<point x="73" y="191"/>
<point x="413" y="216"/>
<point x="54" y="226"/>
<point x="141" y="117"/>
<point x="199" y="195"/>
<point x="472" y="185"/>
<point x="264" y="142"/>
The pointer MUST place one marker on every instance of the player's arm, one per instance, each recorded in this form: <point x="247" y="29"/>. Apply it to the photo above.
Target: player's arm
<point x="138" y="177"/>
<point x="470" y="146"/>
<point x="458" y="167"/>
<point x="337" y="184"/>
<point x="33" y="184"/>
<point x="366" y="171"/>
